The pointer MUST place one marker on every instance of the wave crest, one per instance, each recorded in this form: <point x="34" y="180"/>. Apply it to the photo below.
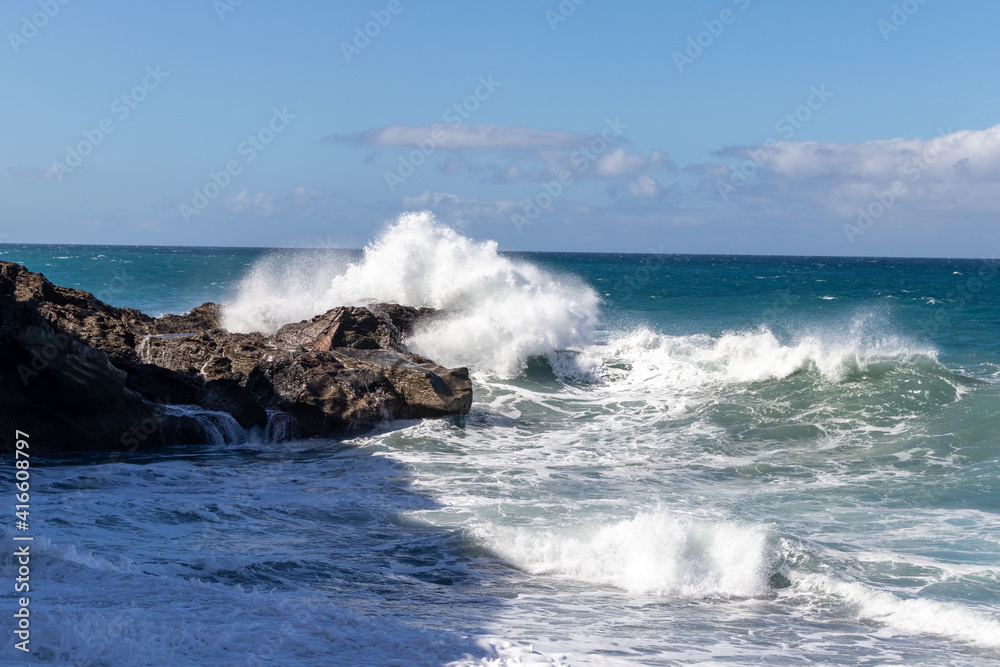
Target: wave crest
<point x="498" y="312"/>
<point x="916" y="615"/>
<point x="752" y="356"/>
<point x="655" y="553"/>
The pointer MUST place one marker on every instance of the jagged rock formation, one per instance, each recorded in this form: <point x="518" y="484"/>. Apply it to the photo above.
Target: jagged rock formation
<point x="84" y="375"/>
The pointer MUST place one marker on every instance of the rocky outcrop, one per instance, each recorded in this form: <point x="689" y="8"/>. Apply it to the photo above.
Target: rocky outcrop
<point x="88" y="376"/>
<point x="160" y="384"/>
<point x="334" y="389"/>
<point x="74" y="312"/>
<point x="207" y="354"/>
<point x="60" y="390"/>
<point x="358" y="328"/>
<point x="206" y="317"/>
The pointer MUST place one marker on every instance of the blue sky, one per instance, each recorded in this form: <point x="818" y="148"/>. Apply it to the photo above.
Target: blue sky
<point x="729" y="126"/>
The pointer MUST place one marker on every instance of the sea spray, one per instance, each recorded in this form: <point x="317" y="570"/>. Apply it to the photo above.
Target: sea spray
<point x="497" y="312"/>
<point x="283" y="287"/>
<point x="756" y="355"/>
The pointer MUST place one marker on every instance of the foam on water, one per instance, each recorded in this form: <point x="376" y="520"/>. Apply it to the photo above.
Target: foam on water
<point x="751" y="356"/>
<point x="819" y="381"/>
<point x="655" y="553"/>
<point x="610" y="475"/>
<point x="913" y="615"/>
<point x="498" y="312"/>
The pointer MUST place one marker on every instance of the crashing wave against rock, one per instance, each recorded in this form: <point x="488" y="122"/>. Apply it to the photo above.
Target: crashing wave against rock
<point x="80" y="374"/>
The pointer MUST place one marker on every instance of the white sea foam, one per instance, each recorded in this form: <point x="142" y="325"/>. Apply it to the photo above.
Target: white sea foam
<point x="498" y="311"/>
<point x="655" y="553"/>
<point x="916" y="615"/>
<point x="747" y="356"/>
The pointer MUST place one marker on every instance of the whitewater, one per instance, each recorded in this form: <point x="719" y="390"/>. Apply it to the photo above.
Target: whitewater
<point x="670" y="460"/>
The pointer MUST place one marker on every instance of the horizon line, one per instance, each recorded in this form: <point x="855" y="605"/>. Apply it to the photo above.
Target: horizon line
<point x="536" y="252"/>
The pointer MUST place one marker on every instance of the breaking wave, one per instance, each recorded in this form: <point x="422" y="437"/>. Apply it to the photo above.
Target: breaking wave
<point x="497" y="312"/>
<point x="655" y="553"/>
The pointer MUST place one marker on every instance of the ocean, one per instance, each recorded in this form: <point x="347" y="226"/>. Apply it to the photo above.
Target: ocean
<point x="671" y="460"/>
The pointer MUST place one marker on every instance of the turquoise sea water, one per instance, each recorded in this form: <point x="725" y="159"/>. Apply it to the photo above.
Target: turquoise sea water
<point x="670" y="460"/>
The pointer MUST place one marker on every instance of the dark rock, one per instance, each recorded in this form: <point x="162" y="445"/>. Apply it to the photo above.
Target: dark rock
<point x="404" y="318"/>
<point x="426" y="389"/>
<point x="78" y="374"/>
<point x="320" y="392"/>
<point x="182" y="429"/>
<point x="196" y="344"/>
<point x="75" y="312"/>
<point x="341" y="327"/>
<point x="228" y="395"/>
<point x="205" y="317"/>
<point x="342" y="387"/>
<point x="66" y="395"/>
<point x="162" y="385"/>
<point x="208" y="354"/>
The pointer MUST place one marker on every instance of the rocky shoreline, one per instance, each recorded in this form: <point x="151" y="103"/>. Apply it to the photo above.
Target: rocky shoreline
<point x="82" y="375"/>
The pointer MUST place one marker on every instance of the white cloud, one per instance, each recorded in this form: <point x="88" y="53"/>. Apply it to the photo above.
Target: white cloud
<point x="955" y="171"/>
<point x="644" y="186"/>
<point x="547" y="165"/>
<point x="471" y="137"/>
<point x="659" y="158"/>
<point x="886" y="159"/>
<point x="269" y="203"/>
<point x="528" y="155"/>
<point x="428" y="199"/>
<point x="261" y="203"/>
<point x="301" y="195"/>
<point x="619" y="162"/>
<point x="469" y="206"/>
<point x="53" y="171"/>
